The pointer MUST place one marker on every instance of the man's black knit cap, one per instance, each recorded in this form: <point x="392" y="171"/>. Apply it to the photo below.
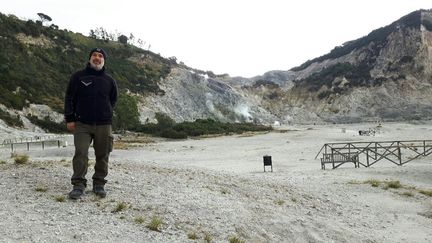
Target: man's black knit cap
<point x="100" y="50"/>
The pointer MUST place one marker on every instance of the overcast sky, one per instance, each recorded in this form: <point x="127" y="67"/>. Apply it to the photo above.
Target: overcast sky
<point x="239" y="37"/>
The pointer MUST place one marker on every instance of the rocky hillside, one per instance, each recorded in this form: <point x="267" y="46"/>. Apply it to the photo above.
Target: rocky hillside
<point x="385" y="75"/>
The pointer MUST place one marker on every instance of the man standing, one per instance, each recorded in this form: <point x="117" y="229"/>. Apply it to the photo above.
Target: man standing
<point x="90" y="98"/>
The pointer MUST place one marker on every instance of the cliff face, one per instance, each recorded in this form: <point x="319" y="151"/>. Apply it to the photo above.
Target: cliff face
<point x="383" y="76"/>
<point x="189" y="96"/>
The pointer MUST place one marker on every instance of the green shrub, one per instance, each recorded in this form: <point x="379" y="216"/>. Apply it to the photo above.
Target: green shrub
<point x="20" y="159"/>
<point x="164" y="121"/>
<point x="120" y="207"/>
<point x="426" y="192"/>
<point x="235" y="239"/>
<point x="10" y="120"/>
<point x="155" y="224"/>
<point x="171" y="133"/>
<point x="60" y="198"/>
<point x="373" y="182"/>
<point x="126" y="114"/>
<point x="394" y="184"/>
<point x="41" y="189"/>
<point x="48" y="125"/>
<point x="192" y="236"/>
<point x="169" y="129"/>
<point x="139" y="220"/>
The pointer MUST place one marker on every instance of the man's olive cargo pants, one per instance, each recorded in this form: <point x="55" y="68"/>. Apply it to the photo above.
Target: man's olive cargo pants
<point x="102" y="138"/>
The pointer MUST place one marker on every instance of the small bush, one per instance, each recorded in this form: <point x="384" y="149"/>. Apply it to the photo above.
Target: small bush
<point x="407" y="194"/>
<point x="139" y="220"/>
<point x="394" y="184"/>
<point x="120" y="207"/>
<point x="11" y="120"/>
<point x="426" y="192"/>
<point x="280" y="202"/>
<point x="155" y="224"/>
<point x="41" y="189"/>
<point x="169" y="129"/>
<point x="171" y="133"/>
<point x="48" y="125"/>
<point x="234" y="239"/>
<point x="164" y="121"/>
<point x="60" y="198"/>
<point x="21" y="159"/>
<point x="373" y="182"/>
<point x="192" y="236"/>
<point x="208" y="237"/>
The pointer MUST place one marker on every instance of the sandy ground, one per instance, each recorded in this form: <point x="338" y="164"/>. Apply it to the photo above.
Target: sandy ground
<point x="214" y="189"/>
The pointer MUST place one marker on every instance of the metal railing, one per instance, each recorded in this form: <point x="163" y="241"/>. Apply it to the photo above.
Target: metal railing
<point x="44" y="141"/>
<point x="397" y="152"/>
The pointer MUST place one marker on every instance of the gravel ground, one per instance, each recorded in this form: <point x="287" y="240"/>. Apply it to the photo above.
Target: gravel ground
<point x="214" y="190"/>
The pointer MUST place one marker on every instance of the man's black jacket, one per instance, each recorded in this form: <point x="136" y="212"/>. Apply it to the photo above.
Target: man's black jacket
<point x="90" y="97"/>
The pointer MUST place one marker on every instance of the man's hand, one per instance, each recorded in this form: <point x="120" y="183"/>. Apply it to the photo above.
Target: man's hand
<point x="70" y="126"/>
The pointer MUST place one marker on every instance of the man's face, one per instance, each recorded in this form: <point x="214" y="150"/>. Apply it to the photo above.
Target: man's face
<point x="97" y="61"/>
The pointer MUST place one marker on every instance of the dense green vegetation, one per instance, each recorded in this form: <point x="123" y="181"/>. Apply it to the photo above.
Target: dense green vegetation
<point x="48" y="125"/>
<point x="126" y="115"/>
<point x="357" y="76"/>
<point x="11" y="120"/>
<point x="168" y="128"/>
<point x="378" y="36"/>
<point x="36" y="62"/>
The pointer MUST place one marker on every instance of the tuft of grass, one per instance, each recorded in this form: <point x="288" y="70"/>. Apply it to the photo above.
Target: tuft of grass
<point x="393" y="184"/>
<point x="407" y="194"/>
<point x="426" y="192"/>
<point x="120" y="207"/>
<point x="280" y="202"/>
<point x="2" y="162"/>
<point x="354" y="182"/>
<point x="235" y="239"/>
<point x="208" y="237"/>
<point x="192" y="236"/>
<point x="41" y="189"/>
<point x="155" y="224"/>
<point x="224" y="191"/>
<point x="139" y="220"/>
<point x="60" y="198"/>
<point x="20" y="159"/>
<point x="293" y="199"/>
<point x="373" y="182"/>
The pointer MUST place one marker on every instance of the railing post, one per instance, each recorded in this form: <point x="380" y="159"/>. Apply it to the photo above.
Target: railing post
<point x="376" y="150"/>
<point x="399" y="153"/>
<point x="367" y="157"/>
<point x="349" y="149"/>
<point x="332" y="158"/>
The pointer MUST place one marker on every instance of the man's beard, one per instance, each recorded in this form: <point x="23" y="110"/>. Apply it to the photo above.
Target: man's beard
<point x="97" y="67"/>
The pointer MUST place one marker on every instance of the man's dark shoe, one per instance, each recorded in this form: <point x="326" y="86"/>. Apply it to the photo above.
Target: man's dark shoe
<point x="76" y="193"/>
<point x="99" y="191"/>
